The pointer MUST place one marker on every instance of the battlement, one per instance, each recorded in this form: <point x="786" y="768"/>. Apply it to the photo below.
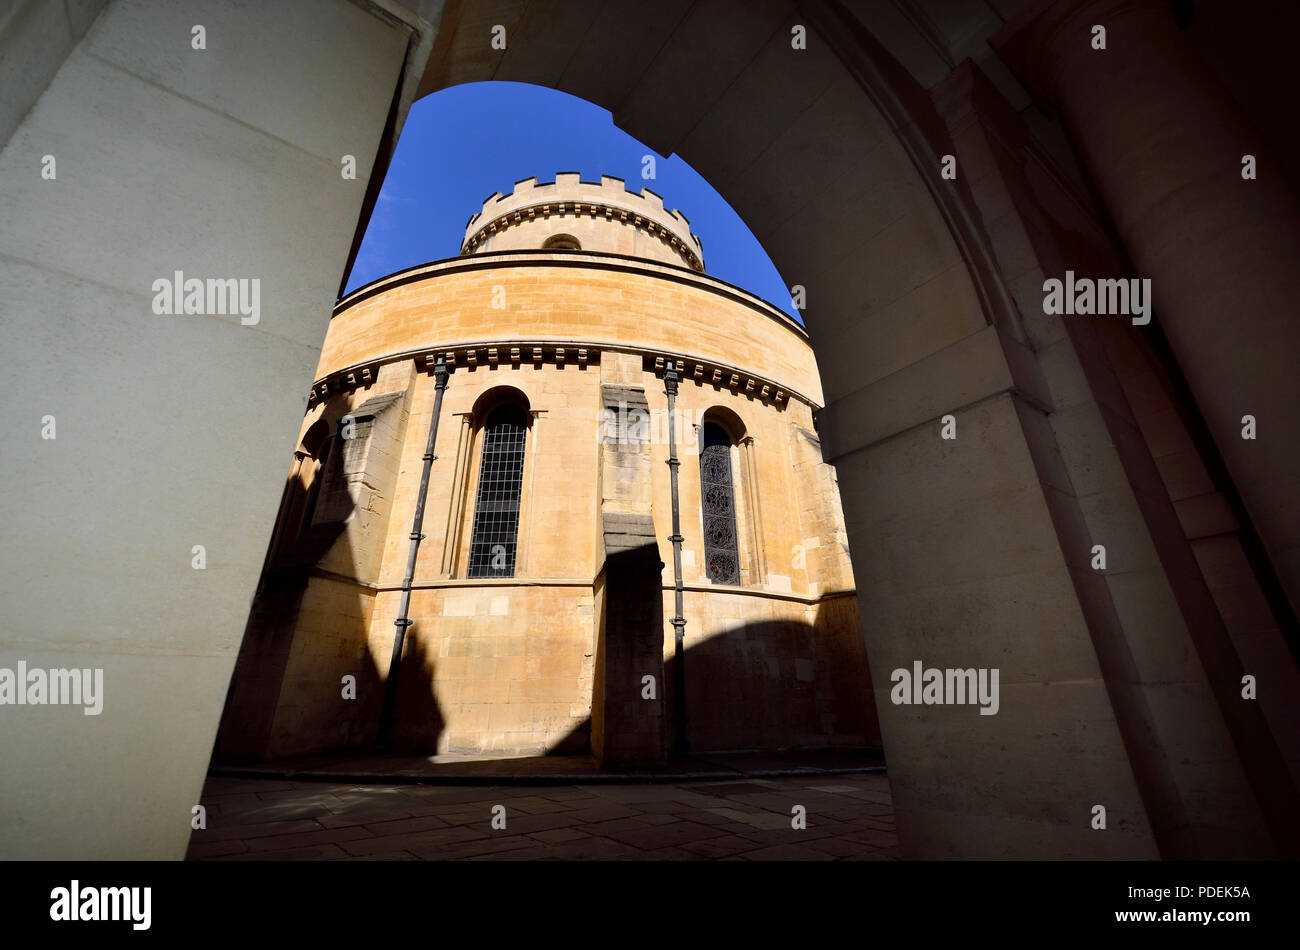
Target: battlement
<point x="534" y="210"/>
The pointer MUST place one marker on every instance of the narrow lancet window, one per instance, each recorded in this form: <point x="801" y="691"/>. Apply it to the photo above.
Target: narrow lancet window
<point x="495" y="539"/>
<point x="721" y="559"/>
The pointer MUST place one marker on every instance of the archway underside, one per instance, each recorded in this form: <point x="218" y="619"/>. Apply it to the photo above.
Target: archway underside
<point x="923" y="305"/>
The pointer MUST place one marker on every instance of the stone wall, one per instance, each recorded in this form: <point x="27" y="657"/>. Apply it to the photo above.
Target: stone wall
<point x="511" y="665"/>
<point x="766" y="672"/>
<point x="603" y="216"/>
<point x="173" y="430"/>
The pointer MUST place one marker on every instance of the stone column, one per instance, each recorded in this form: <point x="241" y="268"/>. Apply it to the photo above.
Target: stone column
<point x="750" y="469"/>
<point x="524" y="547"/>
<point x="455" y="517"/>
<point x="1164" y="145"/>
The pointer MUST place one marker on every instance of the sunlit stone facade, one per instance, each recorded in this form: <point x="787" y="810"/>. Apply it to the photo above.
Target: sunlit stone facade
<point x="544" y="590"/>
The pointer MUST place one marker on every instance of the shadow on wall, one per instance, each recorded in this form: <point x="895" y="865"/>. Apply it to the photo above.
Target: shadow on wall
<point x="289" y="698"/>
<point x="767" y="686"/>
<point x="306" y="679"/>
<point x="777" y="685"/>
<point x="418" y="723"/>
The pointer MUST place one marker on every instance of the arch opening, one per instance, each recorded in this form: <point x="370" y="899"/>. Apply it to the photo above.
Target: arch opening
<point x="494" y="537"/>
<point x="562" y="242"/>
<point x="718" y="505"/>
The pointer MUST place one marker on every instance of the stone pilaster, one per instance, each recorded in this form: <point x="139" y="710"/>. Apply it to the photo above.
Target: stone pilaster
<point x="1164" y="145"/>
<point x="628" y="725"/>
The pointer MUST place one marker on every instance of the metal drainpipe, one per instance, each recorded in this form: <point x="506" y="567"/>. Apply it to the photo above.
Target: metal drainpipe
<point x="403" y="620"/>
<point x="679" y="622"/>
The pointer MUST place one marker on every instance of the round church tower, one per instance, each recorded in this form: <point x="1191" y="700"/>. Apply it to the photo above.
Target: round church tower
<point x="489" y="471"/>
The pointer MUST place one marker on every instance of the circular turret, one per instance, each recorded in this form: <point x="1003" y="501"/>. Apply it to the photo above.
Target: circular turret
<point x="569" y="214"/>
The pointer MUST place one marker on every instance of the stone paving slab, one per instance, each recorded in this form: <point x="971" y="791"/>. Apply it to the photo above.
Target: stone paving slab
<point x="273" y="819"/>
<point x="558" y="769"/>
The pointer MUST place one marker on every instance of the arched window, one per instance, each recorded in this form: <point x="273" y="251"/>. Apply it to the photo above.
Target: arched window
<point x="718" y="499"/>
<point x="495" y="539"/>
<point x="318" y="479"/>
<point x="301" y="491"/>
<point x="563" y="242"/>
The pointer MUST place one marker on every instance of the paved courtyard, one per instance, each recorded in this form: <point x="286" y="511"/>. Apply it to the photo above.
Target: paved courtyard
<point x="849" y="818"/>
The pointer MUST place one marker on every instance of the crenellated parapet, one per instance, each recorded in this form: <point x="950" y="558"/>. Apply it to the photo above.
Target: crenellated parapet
<point x="571" y="214"/>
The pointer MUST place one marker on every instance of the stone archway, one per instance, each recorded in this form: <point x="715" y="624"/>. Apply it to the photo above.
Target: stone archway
<point x="923" y="302"/>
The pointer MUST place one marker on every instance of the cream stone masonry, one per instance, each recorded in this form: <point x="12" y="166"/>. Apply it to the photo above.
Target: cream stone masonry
<point x="548" y="655"/>
<point x="575" y="301"/>
<point x="168" y="158"/>
<point x="580" y="215"/>
<point x="924" y="300"/>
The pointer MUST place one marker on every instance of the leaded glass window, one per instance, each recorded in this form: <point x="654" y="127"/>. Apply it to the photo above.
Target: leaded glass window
<point x="495" y="538"/>
<point x="719" y="502"/>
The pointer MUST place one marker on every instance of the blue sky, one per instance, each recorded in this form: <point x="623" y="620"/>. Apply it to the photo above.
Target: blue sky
<point x="462" y="144"/>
